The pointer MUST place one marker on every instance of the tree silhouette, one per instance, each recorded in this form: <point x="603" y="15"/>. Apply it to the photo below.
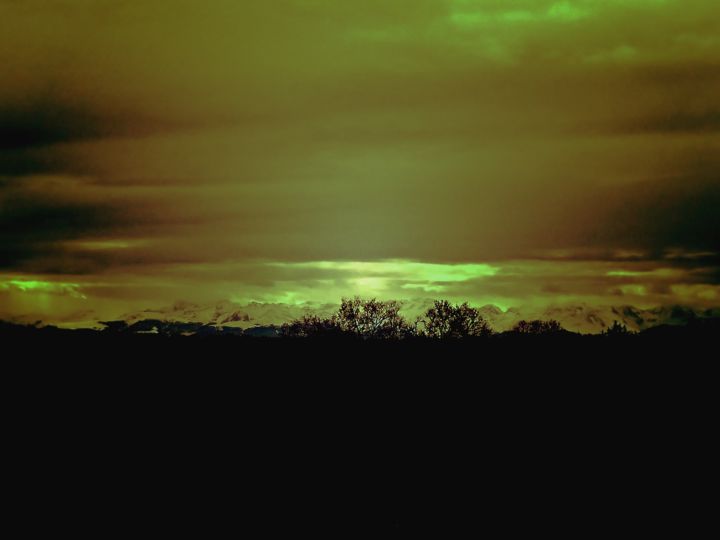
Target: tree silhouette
<point x="447" y="321"/>
<point x="310" y="326"/>
<point x="371" y="319"/>
<point x="367" y="319"/>
<point x="617" y="329"/>
<point x="538" y="327"/>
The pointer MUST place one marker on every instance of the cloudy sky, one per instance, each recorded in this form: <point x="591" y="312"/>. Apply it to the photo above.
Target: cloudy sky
<point x="510" y="152"/>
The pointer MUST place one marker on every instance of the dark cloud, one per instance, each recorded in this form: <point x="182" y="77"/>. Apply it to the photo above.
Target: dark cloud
<point x="45" y="122"/>
<point x="35" y="124"/>
<point x="33" y="229"/>
<point x="680" y="123"/>
<point x="659" y="215"/>
<point x="21" y="162"/>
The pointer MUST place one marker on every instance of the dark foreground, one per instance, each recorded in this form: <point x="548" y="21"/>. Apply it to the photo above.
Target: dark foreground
<point x="561" y="435"/>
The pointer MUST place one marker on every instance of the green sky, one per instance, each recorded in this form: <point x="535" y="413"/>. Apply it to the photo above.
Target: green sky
<point x="508" y="152"/>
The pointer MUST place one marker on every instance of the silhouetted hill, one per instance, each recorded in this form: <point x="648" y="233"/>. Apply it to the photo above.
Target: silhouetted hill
<point x="392" y="439"/>
<point x="577" y="318"/>
<point x="226" y="315"/>
<point x="156" y="333"/>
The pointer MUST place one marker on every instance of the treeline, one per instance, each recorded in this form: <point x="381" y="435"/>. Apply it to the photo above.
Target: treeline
<point x="376" y="319"/>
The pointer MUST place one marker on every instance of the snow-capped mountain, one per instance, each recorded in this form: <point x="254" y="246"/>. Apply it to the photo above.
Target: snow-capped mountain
<point x="255" y="316"/>
<point x="594" y="319"/>
<point x="231" y="314"/>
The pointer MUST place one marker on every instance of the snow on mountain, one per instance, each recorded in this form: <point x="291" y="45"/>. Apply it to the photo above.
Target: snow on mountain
<point x="577" y="318"/>
<point x="594" y="319"/>
<point x="230" y="314"/>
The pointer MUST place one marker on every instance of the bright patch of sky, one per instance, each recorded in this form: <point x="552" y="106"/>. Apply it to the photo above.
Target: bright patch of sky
<point x="471" y="12"/>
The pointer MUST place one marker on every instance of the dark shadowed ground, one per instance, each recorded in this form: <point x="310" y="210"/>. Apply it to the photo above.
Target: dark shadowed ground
<point x="561" y="435"/>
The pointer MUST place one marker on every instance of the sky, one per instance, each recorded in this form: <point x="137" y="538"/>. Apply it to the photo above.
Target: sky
<point x="527" y="152"/>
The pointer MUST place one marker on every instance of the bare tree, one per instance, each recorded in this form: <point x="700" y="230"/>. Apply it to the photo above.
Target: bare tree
<point x="310" y="326"/>
<point x="372" y="319"/>
<point x="367" y="319"/>
<point x="447" y="321"/>
<point x="617" y="329"/>
<point x="538" y="327"/>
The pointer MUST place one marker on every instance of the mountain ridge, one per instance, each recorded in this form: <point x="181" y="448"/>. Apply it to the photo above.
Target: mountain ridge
<point x="580" y="318"/>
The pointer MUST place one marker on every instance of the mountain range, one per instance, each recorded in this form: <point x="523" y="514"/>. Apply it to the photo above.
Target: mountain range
<point x="257" y="318"/>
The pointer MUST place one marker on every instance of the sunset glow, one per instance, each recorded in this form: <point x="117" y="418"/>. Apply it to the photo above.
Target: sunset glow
<point x="529" y="153"/>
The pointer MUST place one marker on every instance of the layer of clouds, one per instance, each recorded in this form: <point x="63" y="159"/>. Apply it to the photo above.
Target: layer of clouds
<point x="534" y="285"/>
<point x="136" y="137"/>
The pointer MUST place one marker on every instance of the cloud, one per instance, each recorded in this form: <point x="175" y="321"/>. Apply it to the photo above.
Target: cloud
<point x="40" y="124"/>
<point x="38" y="215"/>
<point x="142" y="143"/>
<point x="673" y="122"/>
<point x="42" y="287"/>
<point x="662" y="214"/>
